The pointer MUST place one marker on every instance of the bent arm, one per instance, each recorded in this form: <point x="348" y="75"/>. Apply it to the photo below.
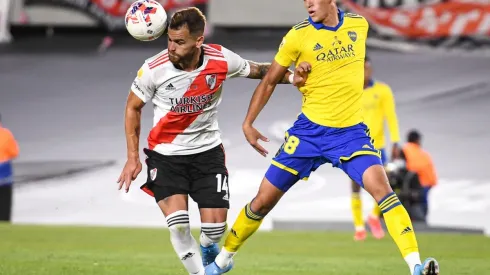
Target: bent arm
<point x="132" y="123"/>
<point x="275" y="74"/>
<point x="259" y="71"/>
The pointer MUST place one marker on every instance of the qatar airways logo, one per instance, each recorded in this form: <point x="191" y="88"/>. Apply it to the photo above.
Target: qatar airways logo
<point x="191" y="104"/>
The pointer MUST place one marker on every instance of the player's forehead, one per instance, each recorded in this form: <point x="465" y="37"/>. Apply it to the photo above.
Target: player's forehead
<point x="318" y="1"/>
<point x="180" y="33"/>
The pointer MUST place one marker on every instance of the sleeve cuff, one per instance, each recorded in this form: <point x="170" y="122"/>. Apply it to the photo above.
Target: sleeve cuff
<point x="138" y="94"/>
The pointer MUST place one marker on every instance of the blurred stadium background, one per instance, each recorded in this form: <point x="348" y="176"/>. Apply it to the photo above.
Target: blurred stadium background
<point x="66" y="73"/>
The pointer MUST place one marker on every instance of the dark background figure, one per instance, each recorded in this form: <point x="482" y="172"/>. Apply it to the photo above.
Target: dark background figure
<point x="8" y="151"/>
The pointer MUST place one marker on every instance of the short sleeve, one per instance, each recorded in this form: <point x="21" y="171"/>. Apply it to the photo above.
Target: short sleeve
<point x="289" y="49"/>
<point x="143" y="85"/>
<point x="237" y="66"/>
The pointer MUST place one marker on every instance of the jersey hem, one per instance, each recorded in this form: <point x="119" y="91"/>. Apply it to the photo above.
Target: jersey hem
<point x="185" y="152"/>
<point x="333" y="125"/>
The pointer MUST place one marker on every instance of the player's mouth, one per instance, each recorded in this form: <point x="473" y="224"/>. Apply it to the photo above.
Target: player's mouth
<point x="311" y="13"/>
<point x="172" y="56"/>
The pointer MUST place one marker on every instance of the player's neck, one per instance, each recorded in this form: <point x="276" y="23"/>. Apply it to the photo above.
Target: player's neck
<point x="332" y="19"/>
<point x="193" y="63"/>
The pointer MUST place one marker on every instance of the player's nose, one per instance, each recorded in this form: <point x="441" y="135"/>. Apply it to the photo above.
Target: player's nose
<point x="171" y="46"/>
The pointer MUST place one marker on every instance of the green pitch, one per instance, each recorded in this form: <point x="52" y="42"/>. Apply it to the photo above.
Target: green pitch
<point x="39" y="250"/>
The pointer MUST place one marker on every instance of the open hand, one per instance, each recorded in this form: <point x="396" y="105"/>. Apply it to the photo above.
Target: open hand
<point x="130" y="172"/>
<point x="253" y="136"/>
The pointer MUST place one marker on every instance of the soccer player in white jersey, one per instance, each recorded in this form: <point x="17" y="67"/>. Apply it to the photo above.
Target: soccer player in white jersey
<point x="185" y="155"/>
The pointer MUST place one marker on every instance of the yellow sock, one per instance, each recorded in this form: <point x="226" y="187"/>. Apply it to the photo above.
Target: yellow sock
<point x="376" y="211"/>
<point x="245" y="226"/>
<point x="356" y="205"/>
<point x="399" y="224"/>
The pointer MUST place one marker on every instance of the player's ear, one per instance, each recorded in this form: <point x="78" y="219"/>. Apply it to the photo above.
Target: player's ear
<point x="199" y="41"/>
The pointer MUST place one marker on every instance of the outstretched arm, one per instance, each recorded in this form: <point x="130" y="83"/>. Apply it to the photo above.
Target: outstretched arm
<point x="275" y="74"/>
<point x="259" y="71"/>
<point x="259" y="99"/>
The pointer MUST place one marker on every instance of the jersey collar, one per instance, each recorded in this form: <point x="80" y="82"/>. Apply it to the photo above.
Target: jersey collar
<point x="320" y="25"/>
<point x="370" y="84"/>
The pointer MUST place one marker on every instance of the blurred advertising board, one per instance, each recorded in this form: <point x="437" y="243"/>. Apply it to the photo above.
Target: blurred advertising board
<point x="442" y="23"/>
<point x="86" y="13"/>
<point x="419" y="20"/>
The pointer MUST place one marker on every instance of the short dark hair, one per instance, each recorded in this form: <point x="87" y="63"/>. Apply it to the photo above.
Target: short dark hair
<point x="367" y="59"/>
<point x="191" y="17"/>
<point x="414" y="136"/>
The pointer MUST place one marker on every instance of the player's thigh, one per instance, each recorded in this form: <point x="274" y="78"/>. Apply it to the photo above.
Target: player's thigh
<point x="210" y="185"/>
<point x="166" y="176"/>
<point x="384" y="156"/>
<point x="367" y="171"/>
<point x="172" y="204"/>
<point x="211" y="192"/>
<point x="295" y="160"/>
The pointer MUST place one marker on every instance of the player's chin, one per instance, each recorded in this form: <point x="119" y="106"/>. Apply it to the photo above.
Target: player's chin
<point x="315" y="18"/>
<point x="174" y="59"/>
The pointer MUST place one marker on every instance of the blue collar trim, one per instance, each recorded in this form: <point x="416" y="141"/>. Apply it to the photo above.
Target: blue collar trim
<point x="370" y="84"/>
<point x="320" y="25"/>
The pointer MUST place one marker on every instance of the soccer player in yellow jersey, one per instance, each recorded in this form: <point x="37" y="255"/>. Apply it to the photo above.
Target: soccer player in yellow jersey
<point x="329" y="129"/>
<point x="378" y="108"/>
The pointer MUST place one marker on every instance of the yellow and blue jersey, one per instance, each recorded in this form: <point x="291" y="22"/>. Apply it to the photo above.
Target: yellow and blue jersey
<point x="333" y="92"/>
<point x="378" y="108"/>
<point x="330" y="128"/>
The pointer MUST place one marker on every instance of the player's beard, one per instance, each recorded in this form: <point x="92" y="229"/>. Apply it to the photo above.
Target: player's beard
<point x="182" y="61"/>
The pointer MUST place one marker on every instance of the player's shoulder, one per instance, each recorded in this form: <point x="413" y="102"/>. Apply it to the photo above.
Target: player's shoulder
<point x="383" y="86"/>
<point x="216" y="47"/>
<point x="355" y="19"/>
<point x="214" y="50"/>
<point x="158" y="60"/>
<point x="301" y="26"/>
<point x="298" y="30"/>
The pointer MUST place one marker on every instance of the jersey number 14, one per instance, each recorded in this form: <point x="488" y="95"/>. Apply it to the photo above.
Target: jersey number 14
<point x="222" y="183"/>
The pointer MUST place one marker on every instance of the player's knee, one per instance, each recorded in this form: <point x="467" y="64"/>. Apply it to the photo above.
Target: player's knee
<point x="262" y="205"/>
<point x="356" y="188"/>
<point x="178" y="225"/>
<point x="376" y="182"/>
<point x="213" y="231"/>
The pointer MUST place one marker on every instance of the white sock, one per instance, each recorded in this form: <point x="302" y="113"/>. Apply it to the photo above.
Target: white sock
<point x="205" y="240"/>
<point x="412" y="260"/>
<point x="184" y="244"/>
<point x="224" y="258"/>
<point x="212" y="233"/>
